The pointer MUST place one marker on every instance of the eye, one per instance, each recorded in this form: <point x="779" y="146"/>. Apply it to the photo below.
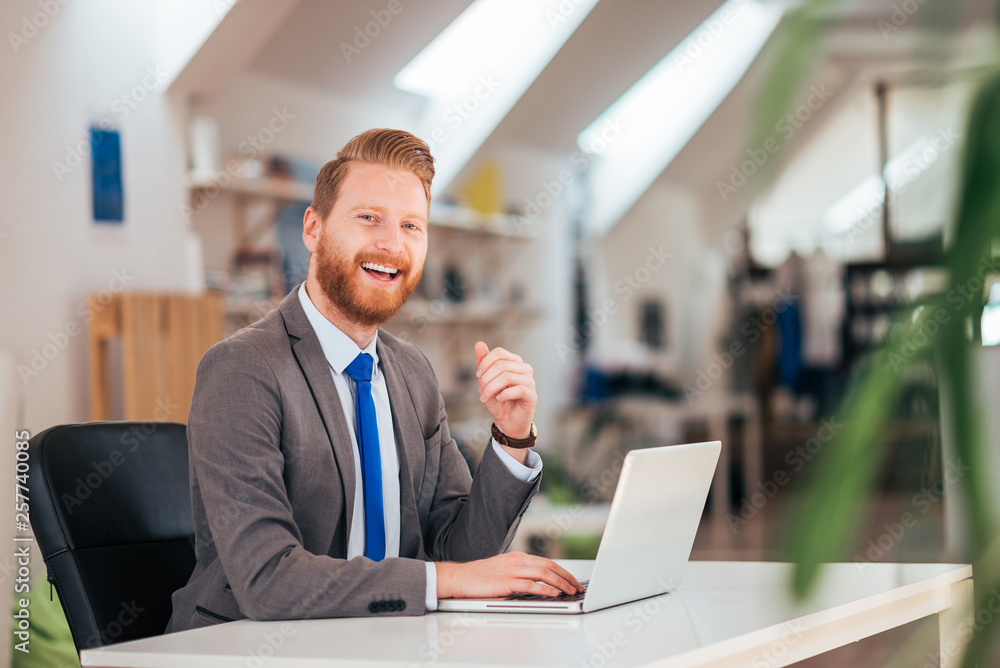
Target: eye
<point x="368" y="217"/>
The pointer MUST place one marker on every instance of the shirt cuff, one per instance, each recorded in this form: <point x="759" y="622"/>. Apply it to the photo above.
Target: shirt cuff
<point x="431" y="597"/>
<point x="527" y="471"/>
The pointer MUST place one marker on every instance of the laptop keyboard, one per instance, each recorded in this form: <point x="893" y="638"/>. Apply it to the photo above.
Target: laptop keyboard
<point x="560" y="597"/>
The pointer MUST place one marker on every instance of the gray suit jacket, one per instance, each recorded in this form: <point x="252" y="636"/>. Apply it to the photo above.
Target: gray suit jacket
<point x="272" y="484"/>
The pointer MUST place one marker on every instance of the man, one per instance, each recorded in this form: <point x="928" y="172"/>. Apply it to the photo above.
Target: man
<point x="324" y="480"/>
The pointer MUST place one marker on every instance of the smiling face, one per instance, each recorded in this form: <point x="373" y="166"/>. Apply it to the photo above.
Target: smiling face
<point x="369" y="252"/>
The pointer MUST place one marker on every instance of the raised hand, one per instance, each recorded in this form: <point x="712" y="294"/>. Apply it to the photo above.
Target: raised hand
<point x="507" y="389"/>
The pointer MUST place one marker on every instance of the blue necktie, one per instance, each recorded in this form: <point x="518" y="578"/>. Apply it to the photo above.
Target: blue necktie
<point x="371" y="464"/>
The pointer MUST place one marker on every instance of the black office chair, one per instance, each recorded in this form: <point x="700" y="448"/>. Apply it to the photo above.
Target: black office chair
<point x="111" y="512"/>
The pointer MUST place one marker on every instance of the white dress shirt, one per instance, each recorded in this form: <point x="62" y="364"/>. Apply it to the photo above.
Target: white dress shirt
<point x="340" y="351"/>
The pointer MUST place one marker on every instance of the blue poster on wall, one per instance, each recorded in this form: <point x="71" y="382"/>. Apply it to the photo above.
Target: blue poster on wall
<point x="106" y="152"/>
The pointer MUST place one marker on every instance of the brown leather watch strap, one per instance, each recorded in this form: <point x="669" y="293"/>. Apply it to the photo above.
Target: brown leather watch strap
<point x="504" y="439"/>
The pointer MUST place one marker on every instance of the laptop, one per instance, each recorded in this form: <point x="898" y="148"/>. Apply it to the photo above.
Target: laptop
<point x="654" y="517"/>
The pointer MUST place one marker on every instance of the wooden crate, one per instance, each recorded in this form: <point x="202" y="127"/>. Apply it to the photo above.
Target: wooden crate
<point x="163" y="336"/>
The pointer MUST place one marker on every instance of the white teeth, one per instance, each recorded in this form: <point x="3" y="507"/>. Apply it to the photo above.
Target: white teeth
<point x="378" y="267"/>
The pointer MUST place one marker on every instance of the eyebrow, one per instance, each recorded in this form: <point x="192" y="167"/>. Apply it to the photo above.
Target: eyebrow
<point x="382" y="209"/>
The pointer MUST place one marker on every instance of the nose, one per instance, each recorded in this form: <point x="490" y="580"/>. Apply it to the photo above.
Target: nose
<point x="390" y="238"/>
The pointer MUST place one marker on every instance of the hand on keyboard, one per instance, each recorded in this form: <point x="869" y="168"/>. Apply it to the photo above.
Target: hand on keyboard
<point x="503" y="575"/>
<point x="560" y="597"/>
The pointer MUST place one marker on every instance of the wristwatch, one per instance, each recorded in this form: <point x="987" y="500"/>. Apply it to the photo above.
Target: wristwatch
<point x="504" y="439"/>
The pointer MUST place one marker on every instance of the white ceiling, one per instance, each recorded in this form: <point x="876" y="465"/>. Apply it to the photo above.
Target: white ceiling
<point x="307" y="48"/>
<point x="615" y="45"/>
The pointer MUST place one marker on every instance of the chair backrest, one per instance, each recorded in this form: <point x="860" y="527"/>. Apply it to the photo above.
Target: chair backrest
<point x="111" y="513"/>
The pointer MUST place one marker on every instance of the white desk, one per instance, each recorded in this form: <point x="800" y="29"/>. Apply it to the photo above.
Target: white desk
<point x="725" y="614"/>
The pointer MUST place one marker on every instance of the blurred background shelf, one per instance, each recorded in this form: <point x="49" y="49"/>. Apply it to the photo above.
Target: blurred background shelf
<point x="284" y="190"/>
<point x="438" y="312"/>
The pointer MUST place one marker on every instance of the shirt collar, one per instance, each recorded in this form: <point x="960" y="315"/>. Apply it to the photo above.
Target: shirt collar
<point x="338" y="348"/>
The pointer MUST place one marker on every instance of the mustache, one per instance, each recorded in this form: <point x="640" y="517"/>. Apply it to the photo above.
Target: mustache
<point x="398" y="261"/>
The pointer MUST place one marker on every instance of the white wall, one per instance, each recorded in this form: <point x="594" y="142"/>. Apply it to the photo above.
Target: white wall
<point x="322" y="122"/>
<point x="841" y="154"/>
<point x="70" y="72"/>
<point x="985" y="379"/>
<point x="920" y="206"/>
<point x="690" y="281"/>
<point x="925" y="128"/>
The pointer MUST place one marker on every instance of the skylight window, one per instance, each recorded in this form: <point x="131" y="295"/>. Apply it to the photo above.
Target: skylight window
<point x="479" y="66"/>
<point x="644" y="130"/>
<point x="488" y="38"/>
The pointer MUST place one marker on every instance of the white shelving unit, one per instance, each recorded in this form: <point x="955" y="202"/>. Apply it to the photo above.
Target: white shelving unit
<point x="497" y="224"/>
<point x="282" y="190"/>
<point x="256" y="205"/>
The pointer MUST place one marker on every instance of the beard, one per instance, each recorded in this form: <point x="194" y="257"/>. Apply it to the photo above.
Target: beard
<point x="366" y="305"/>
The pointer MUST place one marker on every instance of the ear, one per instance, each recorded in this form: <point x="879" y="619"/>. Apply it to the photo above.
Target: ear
<point x="311" y="227"/>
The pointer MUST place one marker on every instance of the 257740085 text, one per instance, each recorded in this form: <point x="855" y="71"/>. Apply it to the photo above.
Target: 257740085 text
<point x="22" y="583"/>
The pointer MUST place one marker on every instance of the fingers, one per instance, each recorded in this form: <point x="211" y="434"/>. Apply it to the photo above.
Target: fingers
<point x="492" y="357"/>
<point x="553" y="582"/>
<point x="481" y="350"/>
<point x="513" y="572"/>
<point x="567" y="576"/>
<point x="516" y="396"/>
<point x="515" y="391"/>
<point x="503" y="366"/>
<point x="532" y="587"/>
<point x="505" y="375"/>
<point x="507" y="388"/>
<point x="543" y="576"/>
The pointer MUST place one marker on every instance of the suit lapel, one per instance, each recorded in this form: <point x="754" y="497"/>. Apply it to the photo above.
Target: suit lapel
<point x="309" y="354"/>
<point x="409" y="450"/>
